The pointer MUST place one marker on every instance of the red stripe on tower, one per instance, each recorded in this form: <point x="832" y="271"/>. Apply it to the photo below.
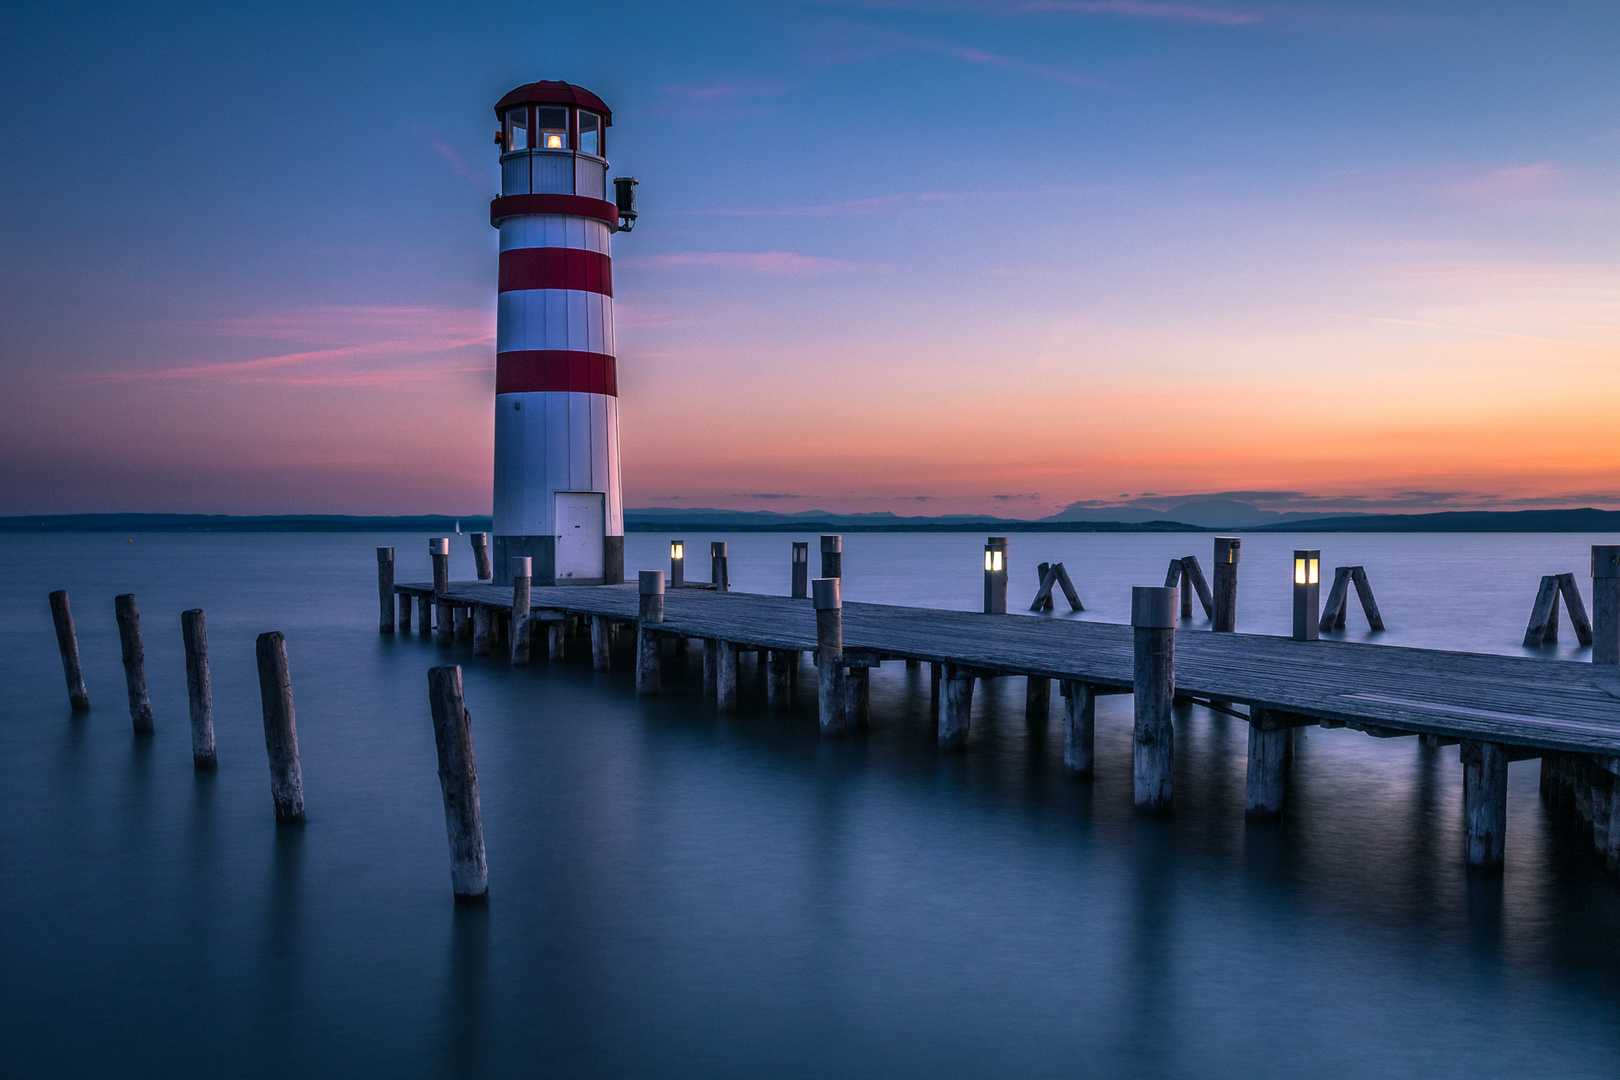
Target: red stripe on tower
<point x="529" y="371"/>
<point x="556" y="268"/>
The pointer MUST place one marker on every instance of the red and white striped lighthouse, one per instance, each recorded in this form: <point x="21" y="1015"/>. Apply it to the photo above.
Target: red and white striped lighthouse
<point x="557" y="494"/>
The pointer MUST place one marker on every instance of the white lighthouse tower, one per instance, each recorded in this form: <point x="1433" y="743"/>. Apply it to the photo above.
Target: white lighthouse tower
<point x="557" y="494"/>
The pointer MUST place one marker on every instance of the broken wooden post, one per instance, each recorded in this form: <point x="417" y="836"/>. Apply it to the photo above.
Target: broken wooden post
<point x="458" y="783"/>
<point x="677" y="564"/>
<point x="1043" y="591"/>
<point x="1195" y="575"/>
<point x="1055" y="576"/>
<point x="1267" y="779"/>
<point x="1079" y="728"/>
<point x="718" y="572"/>
<point x="1542" y="613"/>
<point x="482" y="620"/>
<point x="995" y="576"/>
<point x="601" y="643"/>
<point x="779" y="680"/>
<point x="1484" y="803"/>
<point x="67" y="641"/>
<point x="650" y="586"/>
<point x="480" y="546"/>
<point x="1576" y="608"/>
<point x="1369" y="606"/>
<point x="801" y="569"/>
<point x="1337" y="602"/>
<point x="1605" y="604"/>
<point x="956" y="707"/>
<point x="1153" y="615"/>
<point x="522" y="582"/>
<point x="832" y="556"/>
<point x="129" y="639"/>
<point x="829" y="604"/>
<point x="1307" y="593"/>
<point x="199" y="689"/>
<point x="1176" y="578"/>
<point x="725" y="678"/>
<point x="1037" y="698"/>
<point x="385" y="589"/>
<point x="1228" y="550"/>
<point x="280" y="728"/>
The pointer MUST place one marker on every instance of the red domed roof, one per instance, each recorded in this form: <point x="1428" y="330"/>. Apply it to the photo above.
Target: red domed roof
<point x="547" y="92"/>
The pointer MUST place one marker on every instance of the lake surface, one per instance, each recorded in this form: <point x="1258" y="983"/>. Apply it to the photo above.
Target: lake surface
<point x="679" y="895"/>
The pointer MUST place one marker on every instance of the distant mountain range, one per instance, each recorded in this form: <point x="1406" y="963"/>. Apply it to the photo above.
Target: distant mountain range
<point x="1190" y="517"/>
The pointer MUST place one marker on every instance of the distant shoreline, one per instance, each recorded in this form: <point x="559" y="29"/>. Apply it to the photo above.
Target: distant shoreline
<point x="1585" y="520"/>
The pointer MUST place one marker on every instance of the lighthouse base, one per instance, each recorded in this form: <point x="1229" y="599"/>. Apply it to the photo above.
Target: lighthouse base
<point x="543" y="550"/>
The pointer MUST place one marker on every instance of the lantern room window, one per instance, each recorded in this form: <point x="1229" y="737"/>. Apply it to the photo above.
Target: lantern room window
<point x="590" y="133"/>
<point x="551" y="128"/>
<point x="517" y="128"/>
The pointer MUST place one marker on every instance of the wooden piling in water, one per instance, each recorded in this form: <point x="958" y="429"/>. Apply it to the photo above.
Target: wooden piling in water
<point x="458" y="783"/>
<point x="481" y="564"/>
<point x="1037" y="698"/>
<point x="1338" y="601"/>
<point x="1542" y="613"/>
<point x="522" y="581"/>
<point x="404" y="601"/>
<point x="199" y="689"/>
<point x="1228" y="551"/>
<point x="857" y="680"/>
<point x="828" y="599"/>
<point x="439" y="552"/>
<point x="711" y="666"/>
<point x="67" y="642"/>
<point x="956" y="707"/>
<point x="1484" y="803"/>
<point x="1153" y="615"/>
<point x="134" y="655"/>
<point x="832" y="556"/>
<point x="556" y="640"/>
<point x="1079" y="728"/>
<point x="424" y="615"/>
<point x="483" y="619"/>
<point x="601" y="644"/>
<point x="385" y="589"/>
<point x="444" y="619"/>
<point x="779" y="680"/>
<point x="280" y="728"/>
<point x="1605" y="604"/>
<point x="1369" y="606"/>
<point x="1195" y="576"/>
<point x="650" y="585"/>
<point x="1267" y="779"/>
<point x="725" y="680"/>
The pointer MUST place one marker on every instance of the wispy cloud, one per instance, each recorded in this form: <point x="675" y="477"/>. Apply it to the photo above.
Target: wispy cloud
<point x="787" y="263"/>
<point x="887" y="204"/>
<point x="891" y="41"/>
<point x="1148" y="9"/>
<point x="728" y="89"/>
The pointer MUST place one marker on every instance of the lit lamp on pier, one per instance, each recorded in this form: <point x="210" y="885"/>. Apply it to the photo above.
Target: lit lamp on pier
<point x="801" y="569"/>
<point x="677" y="563"/>
<point x="1307" y="593"/>
<point x="995" y="576"/>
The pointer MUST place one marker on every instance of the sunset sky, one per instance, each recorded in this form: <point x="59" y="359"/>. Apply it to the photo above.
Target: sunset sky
<point x="921" y="257"/>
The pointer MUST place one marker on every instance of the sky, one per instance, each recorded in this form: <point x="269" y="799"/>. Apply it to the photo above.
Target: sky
<point x="969" y="257"/>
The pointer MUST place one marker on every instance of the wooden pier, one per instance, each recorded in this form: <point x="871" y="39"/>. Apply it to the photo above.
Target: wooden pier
<point x="1499" y="708"/>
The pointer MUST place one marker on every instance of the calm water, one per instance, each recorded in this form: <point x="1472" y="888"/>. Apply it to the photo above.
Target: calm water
<point x="679" y="895"/>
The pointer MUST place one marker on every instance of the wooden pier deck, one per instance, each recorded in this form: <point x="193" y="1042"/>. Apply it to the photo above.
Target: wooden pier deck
<point x="1531" y="705"/>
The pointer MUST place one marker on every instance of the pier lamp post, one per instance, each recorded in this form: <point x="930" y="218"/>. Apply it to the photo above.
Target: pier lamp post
<point x="1606" y="606"/>
<point x="718" y="571"/>
<point x="995" y="576"/>
<point x="1307" y="593"/>
<point x="801" y="569"/>
<point x="677" y="563"/>
<point x="1228" y="550"/>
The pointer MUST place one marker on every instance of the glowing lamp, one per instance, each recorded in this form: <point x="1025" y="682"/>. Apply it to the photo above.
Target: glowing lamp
<point x="1307" y="595"/>
<point x="995" y="576"/>
<point x="677" y="563"/>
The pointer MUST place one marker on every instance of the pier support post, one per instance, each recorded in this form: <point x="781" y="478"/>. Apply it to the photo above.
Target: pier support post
<point x="1037" y="698"/>
<point x="1153" y="615"/>
<point x="801" y="569"/>
<point x="67" y="641"/>
<point x="280" y="728"/>
<point x="129" y="639"/>
<point x="778" y="680"/>
<point x="482" y="620"/>
<point x="719" y="572"/>
<point x="522" y="580"/>
<point x="464" y="622"/>
<point x="404" y="601"/>
<point x="480" y="546"/>
<point x="1605" y="604"/>
<point x="199" y="689"/>
<point x="602" y="643"/>
<point x="956" y="708"/>
<point x="1268" y="766"/>
<point x="857" y="696"/>
<point x="828" y="599"/>
<point x="556" y="640"/>
<point x="711" y="666"/>
<point x="1484" y="803"/>
<point x="385" y="589"/>
<point x="936" y="672"/>
<point x="458" y="782"/>
<point x="439" y="551"/>
<point x="725" y="685"/>
<point x="650" y="585"/>
<point x="444" y="619"/>
<point x="424" y="614"/>
<point x="832" y="556"/>
<point x="1228" y="550"/>
<point x="1079" y="728"/>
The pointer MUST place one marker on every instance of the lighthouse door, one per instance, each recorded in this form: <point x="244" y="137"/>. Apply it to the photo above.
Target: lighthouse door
<point x="581" y="524"/>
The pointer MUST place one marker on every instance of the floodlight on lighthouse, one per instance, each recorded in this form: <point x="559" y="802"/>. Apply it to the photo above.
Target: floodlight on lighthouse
<point x="624" y="196"/>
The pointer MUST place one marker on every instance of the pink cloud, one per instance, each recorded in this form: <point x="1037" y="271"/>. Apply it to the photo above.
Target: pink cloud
<point x="762" y="262"/>
<point x="1150" y="9"/>
<point x="1512" y="186"/>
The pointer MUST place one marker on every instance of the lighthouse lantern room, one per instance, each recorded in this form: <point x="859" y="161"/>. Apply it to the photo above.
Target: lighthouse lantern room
<point x="557" y="493"/>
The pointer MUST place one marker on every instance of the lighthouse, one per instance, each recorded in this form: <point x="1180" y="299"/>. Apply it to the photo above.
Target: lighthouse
<point x="557" y="492"/>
